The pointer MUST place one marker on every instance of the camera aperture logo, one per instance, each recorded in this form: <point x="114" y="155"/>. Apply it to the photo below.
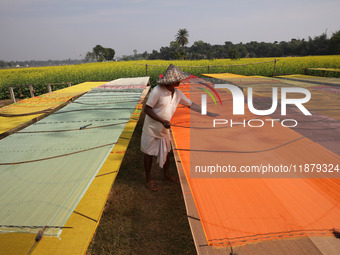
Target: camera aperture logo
<point x="239" y="105"/>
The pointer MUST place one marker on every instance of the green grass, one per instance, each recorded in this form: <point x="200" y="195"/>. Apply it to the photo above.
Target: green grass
<point x="139" y="221"/>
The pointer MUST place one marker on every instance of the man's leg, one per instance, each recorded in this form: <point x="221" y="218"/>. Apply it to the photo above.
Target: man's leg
<point x="147" y="165"/>
<point x="167" y="175"/>
<point x="166" y="167"/>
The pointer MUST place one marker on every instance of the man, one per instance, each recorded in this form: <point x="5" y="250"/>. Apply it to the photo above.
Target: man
<point x="160" y="107"/>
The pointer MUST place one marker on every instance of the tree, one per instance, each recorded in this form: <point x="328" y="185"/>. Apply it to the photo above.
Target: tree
<point x="145" y="55"/>
<point x="234" y="54"/>
<point x="200" y="50"/>
<point x="100" y="54"/>
<point x="175" y="51"/>
<point x="334" y="43"/>
<point x="154" y="55"/>
<point x="242" y="50"/>
<point x="89" y="56"/>
<point x="319" y="45"/>
<point x="182" y="37"/>
<point x="109" y="54"/>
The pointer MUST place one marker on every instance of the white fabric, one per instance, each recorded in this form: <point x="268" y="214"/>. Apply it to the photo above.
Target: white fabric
<point x="164" y="105"/>
<point x="154" y="146"/>
<point x="156" y="138"/>
<point x="129" y="81"/>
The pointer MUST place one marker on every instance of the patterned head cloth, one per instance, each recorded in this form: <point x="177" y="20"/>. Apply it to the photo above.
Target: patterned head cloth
<point x="173" y="75"/>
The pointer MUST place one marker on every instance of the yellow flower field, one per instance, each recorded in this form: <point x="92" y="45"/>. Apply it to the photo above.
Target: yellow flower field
<point x="106" y="71"/>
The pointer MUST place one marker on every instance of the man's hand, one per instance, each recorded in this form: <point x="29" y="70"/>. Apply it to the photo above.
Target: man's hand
<point x="148" y="110"/>
<point x="166" y="124"/>
<point x="212" y="114"/>
<point x="195" y="107"/>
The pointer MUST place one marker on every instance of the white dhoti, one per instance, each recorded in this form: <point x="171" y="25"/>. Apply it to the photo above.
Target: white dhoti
<point x="155" y="139"/>
<point x="154" y="146"/>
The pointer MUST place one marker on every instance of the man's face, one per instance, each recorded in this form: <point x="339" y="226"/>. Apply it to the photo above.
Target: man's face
<point x="172" y="86"/>
<point x="176" y="84"/>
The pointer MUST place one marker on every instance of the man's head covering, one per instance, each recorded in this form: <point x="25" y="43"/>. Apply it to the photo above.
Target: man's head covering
<point x="173" y="75"/>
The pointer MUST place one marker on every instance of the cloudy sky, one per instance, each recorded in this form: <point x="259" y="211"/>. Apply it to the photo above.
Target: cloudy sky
<point x="62" y="29"/>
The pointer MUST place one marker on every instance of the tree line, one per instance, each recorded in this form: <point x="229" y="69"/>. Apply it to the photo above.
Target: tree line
<point x="178" y="49"/>
<point x="37" y="63"/>
<point x="319" y="45"/>
<point x="99" y="53"/>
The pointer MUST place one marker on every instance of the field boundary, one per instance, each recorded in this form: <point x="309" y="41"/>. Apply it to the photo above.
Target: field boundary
<point x="208" y="66"/>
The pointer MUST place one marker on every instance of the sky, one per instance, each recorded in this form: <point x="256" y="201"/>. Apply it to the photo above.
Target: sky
<point x="62" y="29"/>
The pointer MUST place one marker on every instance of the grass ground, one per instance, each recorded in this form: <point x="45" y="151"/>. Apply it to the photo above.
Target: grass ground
<point x="139" y="221"/>
<point x="5" y="102"/>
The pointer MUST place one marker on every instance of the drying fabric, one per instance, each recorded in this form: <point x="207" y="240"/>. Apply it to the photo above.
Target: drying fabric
<point x="312" y="79"/>
<point x="47" y="167"/>
<point x="324" y="91"/>
<point x="238" y="209"/>
<point x="26" y="110"/>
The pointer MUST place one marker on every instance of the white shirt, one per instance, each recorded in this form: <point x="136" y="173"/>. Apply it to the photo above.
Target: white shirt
<point x="164" y="105"/>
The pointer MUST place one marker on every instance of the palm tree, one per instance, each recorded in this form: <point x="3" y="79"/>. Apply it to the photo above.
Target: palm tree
<point x="182" y="37"/>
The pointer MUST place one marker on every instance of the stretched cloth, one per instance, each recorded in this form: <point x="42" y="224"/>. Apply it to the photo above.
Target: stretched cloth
<point x="47" y="167"/>
<point x="250" y="208"/>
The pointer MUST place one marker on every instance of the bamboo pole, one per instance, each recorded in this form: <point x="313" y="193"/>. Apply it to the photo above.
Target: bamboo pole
<point x="12" y="94"/>
<point x="49" y="85"/>
<point x="274" y="73"/>
<point x="11" y="91"/>
<point x="31" y="90"/>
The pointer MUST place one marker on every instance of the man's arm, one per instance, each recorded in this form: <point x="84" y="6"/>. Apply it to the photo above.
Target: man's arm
<point x="195" y="107"/>
<point x="148" y="110"/>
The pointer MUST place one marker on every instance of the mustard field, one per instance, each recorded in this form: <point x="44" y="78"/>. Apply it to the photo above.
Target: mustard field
<point x="106" y="71"/>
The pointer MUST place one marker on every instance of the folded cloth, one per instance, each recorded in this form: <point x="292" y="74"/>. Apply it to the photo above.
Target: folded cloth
<point x="155" y="146"/>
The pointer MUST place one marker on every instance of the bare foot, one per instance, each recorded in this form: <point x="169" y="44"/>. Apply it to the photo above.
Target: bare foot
<point x="151" y="186"/>
<point x="171" y="179"/>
